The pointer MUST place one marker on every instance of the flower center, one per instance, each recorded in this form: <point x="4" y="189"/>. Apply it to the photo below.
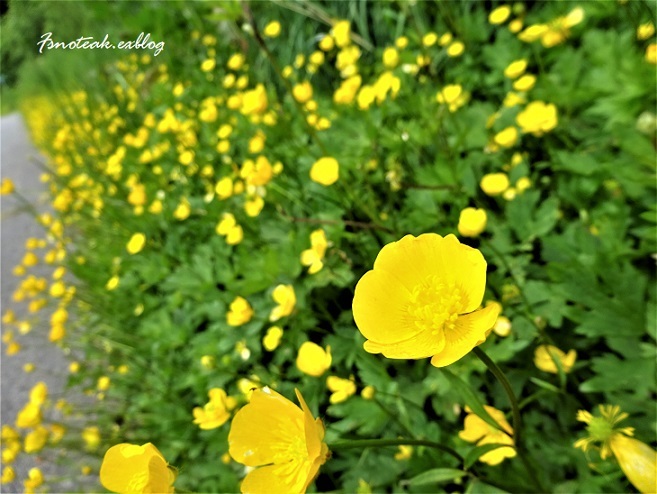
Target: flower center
<point x="600" y="429"/>
<point x="435" y="304"/>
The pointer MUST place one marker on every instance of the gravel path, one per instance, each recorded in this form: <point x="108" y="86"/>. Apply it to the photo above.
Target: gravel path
<point x="18" y="161"/>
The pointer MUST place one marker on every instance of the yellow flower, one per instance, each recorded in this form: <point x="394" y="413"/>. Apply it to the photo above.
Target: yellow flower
<point x="515" y="25"/>
<point x="506" y="138"/>
<point x="240" y="312"/>
<point x="340" y="388"/>
<point x="346" y="93"/>
<point x="502" y="326"/>
<point x="421" y="300"/>
<point x="112" y="283"/>
<point x="515" y="68"/>
<point x="645" y="31"/>
<point x="513" y="99"/>
<point x="525" y="83"/>
<point x="208" y="65"/>
<point x="651" y="53"/>
<point x="313" y="257"/>
<point x="136" y="469"/>
<point x="254" y="205"/>
<point x="254" y="102"/>
<point x="326" y="43"/>
<point x="302" y="92"/>
<point x="637" y="460"/>
<point x="29" y="416"/>
<point x="224" y="188"/>
<point x="34" y="479"/>
<point x="8" y="475"/>
<point x="215" y="412"/>
<point x="499" y="15"/>
<point x="533" y="33"/>
<point x="6" y="186"/>
<point x="453" y="96"/>
<point x="401" y="42"/>
<point x="208" y="362"/>
<point x="545" y="355"/>
<point x="390" y="58"/>
<point x="494" y="184"/>
<point x="455" y="49"/>
<point x="91" y="437"/>
<point x="404" y="452"/>
<point x="273" y="338"/>
<point x="236" y="61"/>
<point x="472" y="222"/>
<point x="429" y="39"/>
<point x="35" y="440"/>
<point x="103" y="383"/>
<point x="368" y="392"/>
<point x="537" y="118"/>
<point x="39" y="393"/>
<point x="136" y="243"/>
<point x="228" y="227"/>
<point x="313" y="360"/>
<point x="183" y="210"/>
<point x="445" y="39"/>
<point x="272" y="30"/>
<point x="283" y="440"/>
<point x="341" y="33"/>
<point x="284" y="296"/>
<point x="325" y="171"/>
<point x="475" y="430"/>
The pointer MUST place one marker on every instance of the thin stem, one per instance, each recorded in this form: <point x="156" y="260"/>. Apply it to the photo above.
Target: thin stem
<point x="515" y="411"/>
<point x="372" y="443"/>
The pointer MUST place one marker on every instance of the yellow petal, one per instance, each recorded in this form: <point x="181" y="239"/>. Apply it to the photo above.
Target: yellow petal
<point x="314" y="431"/>
<point x="468" y="332"/>
<point x="264" y="480"/>
<point x="422" y="345"/>
<point x="257" y="428"/>
<point x="496" y="456"/>
<point x="637" y="460"/>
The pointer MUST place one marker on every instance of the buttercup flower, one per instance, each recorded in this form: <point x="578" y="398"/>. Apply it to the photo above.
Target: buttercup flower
<point x="515" y="68"/>
<point x="136" y="243"/>
<point x="637" y="460"/>
<point x="545" y="355"/>
<point x="455" y="49"/>
<point x="139" y="469"/>
<point x="453" y="96"/>
<point x="499" y="15"/>
<point x="506" y="138"/>
<point x="341" y="33"/>
<point x="475" y="430"/>
<point x="273" y="338"/>
<point x="537" y="118"/>
<point x="284" y="296"/>
<point x="284" y="441"/>
<point x="6" y="186"/>
<point x="302" y="92"/>
<point x="313" y="360"/>
<point x="494" y="184"/>
<point x="421" y="300"/>
<point x="272" y="30"/>
<point x="325" y="171"/>
<point x="255" y="102"/>
<point x="340" y="388"/>
<point x="472" y="222"/>
<point x="313" y="257"/>
<point x="240" y="312"/>
<point x="216" y="411"/>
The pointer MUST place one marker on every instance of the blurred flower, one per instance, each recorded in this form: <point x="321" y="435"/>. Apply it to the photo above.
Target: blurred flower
<point x="224" y="188"/>
<point x="401" y="42"/>
<point x="420" y="300"/>
<point x="183" y="210"/>
<point x="651" y="53"/>
<point x="39" y="393"/>
<point x="325" y="171"/>
<point x="208" y="65"/>
<point x="302" y="92"/>
<point x="229" y="228"/>
<point x="368" y="392"/>
<point x="136" y="243"/>
<point x="390" y="58"/>
<point x="36" y="439"/>
<point x="346" y="93"/>
<point x="34" y="479"/>
<point x="341" y="33"/>
<point x="326" y="43"/>
<point x="404" y="452"/>
<point x="445" y="39"/>
<point x="525" y="83"/>
<point x="637" y="460"/>
<point x="455" y="49"/>
<point x="502" y="326"/>
<point x="240" y="312"/>
<point x="499" y="15"/>
<point x="494" y="184"/>
<point x="254" y="102"/>
<point x="515" y="25"/>
<point x="236" y="61"/>
<point x="515" y="68"/>
<point x="645" y="31"/>
<point x="313" y="360"/>
<point x="273" y="338"/>
<point x="313" y="257"/>
<point x="216" y="411"/>
<point x="6" y="186"/>
<point x="112" y="283"/>
<point x="453" y="96"/>
<point x="103" y="383"/>
<point x="506" y="138"/>
<point x="136" y="469"/>
<point x="472" y="222"/>
<point x="91" y="437"/>
<point x="545" y="355"/>
<point x="284" y="296"/>
<point x="559" y="29"/>
<point x="8" y="475"/>
<point x="340" y="388"/>
<point x="272" y="29"/>
<point x="475" y="430"/>
<point x="29" y="416"/>
<point x="537" y="118"/>
<point x="429" y="39"/>
<point x="283" y="440"/>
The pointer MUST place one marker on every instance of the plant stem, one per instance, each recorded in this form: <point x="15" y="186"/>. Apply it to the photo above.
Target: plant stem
<point x="371" y="443"/>
<point x="515" y="410"/>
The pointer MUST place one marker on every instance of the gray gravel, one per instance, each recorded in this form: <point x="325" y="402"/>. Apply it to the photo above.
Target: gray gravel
<point x="19" y="161"/>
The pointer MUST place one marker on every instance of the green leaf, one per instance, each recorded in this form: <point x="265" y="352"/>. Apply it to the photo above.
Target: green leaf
<point x="435" y="476"/>
<point x="480" y="451"/>
<point x="544" y="384"/>
<point x="470" y="398"/>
